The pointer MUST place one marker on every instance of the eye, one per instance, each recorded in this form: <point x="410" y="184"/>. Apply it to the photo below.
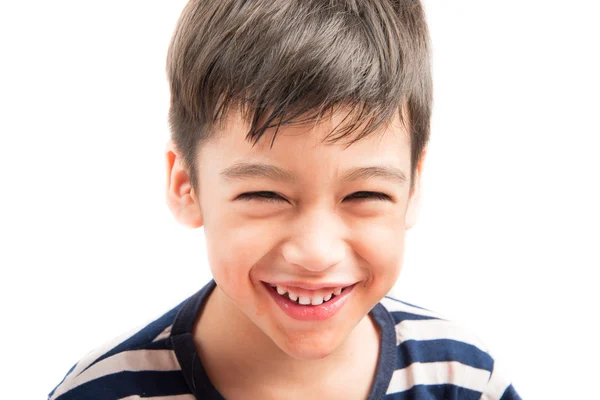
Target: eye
<point x="263" y="196"/>
<point x="369" y="196"/>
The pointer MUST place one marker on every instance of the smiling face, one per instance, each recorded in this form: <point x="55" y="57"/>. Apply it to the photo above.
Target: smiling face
<point x="299" y="221"/>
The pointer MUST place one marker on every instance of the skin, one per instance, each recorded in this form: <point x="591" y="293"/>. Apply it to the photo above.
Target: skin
<point x="315" y="227"/>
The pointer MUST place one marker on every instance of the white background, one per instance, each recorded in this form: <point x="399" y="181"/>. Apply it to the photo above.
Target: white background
<point x="508" y="237"/>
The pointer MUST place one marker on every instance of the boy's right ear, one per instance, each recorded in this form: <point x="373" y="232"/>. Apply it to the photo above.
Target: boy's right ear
<point x="181" y="198"/>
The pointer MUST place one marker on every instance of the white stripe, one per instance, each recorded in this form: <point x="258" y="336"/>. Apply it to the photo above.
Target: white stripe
<point x="92" y="356"/>
<point x="432" y="329"/>
<point x="397" y="305"/>
<point x="135" y="360"/>
<point x="176" y="397"/>
<point x="438" y="373"/>
<point x="164" y="334"/>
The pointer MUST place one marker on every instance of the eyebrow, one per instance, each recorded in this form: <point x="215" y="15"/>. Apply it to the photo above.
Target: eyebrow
<point x="384" y="172"/>
<point x="244" y="170"/>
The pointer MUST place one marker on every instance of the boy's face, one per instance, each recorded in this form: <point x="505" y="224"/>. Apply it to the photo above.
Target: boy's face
<point x="325" y="218"/>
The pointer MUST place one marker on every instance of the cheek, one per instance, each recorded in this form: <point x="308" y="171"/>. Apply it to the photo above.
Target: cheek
<point x="381" y="245"/>
<point x="234" y="246"/>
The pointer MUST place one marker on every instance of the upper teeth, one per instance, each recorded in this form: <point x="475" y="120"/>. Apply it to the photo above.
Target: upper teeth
<point x="315" y="299"/>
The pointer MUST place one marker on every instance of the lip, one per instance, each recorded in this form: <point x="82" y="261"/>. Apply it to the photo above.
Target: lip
<point x="300" y="312"/>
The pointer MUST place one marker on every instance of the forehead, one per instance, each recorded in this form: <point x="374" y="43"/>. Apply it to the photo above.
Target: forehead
<point x="306" y="145"/>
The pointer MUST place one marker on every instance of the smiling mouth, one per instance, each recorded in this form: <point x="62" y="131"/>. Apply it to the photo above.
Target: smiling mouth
<point x="310" y="305"/>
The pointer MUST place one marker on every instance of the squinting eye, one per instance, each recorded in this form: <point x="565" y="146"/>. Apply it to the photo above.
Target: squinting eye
<point x="369" y="196"/>
<point x="274" y="197"/>
<point x="264" y="196"/>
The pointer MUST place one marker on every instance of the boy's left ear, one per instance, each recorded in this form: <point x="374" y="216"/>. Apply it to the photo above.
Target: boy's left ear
<point x="181" y="199"/>
<point x="414" y="201"/>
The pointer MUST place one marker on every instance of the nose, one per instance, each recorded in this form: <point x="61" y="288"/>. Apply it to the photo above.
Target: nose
<point x="316" y="243"/>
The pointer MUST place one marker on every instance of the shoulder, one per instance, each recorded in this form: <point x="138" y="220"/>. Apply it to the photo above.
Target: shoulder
<point x="139" y="361"/>
<point x="440" y="358"/>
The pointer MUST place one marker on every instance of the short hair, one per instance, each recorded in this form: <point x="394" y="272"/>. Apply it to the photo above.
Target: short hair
<point x="293" y="61"/>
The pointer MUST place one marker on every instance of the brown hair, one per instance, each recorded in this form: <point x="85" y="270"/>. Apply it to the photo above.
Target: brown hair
<point x="292" y="61"/>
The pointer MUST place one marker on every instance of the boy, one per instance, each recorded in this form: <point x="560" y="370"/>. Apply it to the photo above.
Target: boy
<point x="298" y="138"/>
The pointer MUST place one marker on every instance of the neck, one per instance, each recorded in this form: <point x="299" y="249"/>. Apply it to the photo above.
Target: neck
<point x="252" y="355"/>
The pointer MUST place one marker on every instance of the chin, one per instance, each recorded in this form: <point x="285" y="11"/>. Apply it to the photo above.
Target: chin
<point x="310" y="346"/>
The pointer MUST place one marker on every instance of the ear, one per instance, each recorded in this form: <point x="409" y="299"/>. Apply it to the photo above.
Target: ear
<point x="181" y="198"/>
<point x="414" y="201"/>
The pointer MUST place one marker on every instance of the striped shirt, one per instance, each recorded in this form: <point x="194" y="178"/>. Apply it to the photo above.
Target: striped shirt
<point x="422" y="356"/>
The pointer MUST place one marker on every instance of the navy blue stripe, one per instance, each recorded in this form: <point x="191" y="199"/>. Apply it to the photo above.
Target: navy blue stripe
<point x="446" y="392"/>
<point x="424" y="351"/>
<point x="510" y="394"/>
<point x="387" y="352"/>
<point x="192" y="368"/>
<point x="127" y="383"/>
<point x="400" y="316"/>
<point x="186" y="317"/>
<point x="144" y="336"/>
